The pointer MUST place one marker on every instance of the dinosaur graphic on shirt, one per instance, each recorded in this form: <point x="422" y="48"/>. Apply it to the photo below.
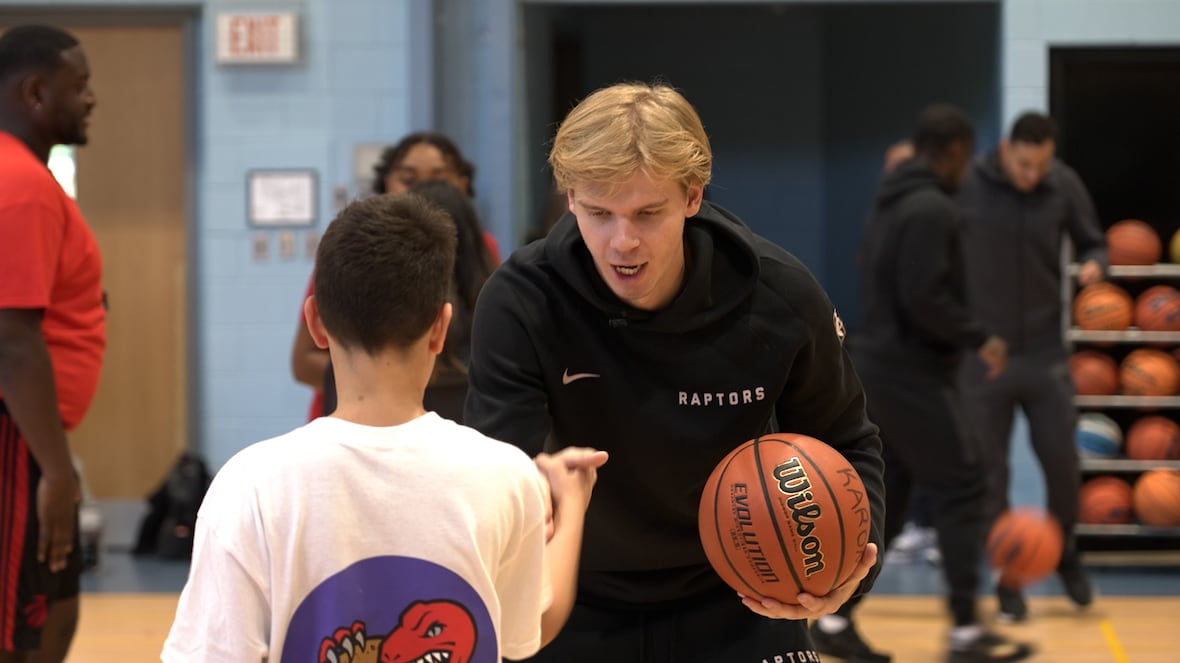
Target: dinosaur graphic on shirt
<point x="438" y="631"/>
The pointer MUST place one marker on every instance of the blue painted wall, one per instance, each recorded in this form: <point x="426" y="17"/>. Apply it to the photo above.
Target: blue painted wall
<point x="352" y="88"/>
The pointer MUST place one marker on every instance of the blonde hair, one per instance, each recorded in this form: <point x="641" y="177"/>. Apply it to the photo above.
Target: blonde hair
<point x="622" y="129"/>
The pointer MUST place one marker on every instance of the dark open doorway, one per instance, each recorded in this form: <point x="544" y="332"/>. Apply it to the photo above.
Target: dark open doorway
<point x="1119" y="115"/>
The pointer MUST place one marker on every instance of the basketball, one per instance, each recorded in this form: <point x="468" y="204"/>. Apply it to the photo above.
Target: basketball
<point x="1098" y="436"/>
<point x="1174" y="247"/>
<point x="1103" y="306"/>
<point x="1024" y="546"/>
<point x="783" y="514"/>
<point x="1153" y="437"/>
<point x="1157" y="498"/>
<point x="1149" y="372"/>
<point x="1133" y="242"/>
<point x="1094" y="373"/>
<point x="1105" y="500"/>
<point x="1158" y="309"/>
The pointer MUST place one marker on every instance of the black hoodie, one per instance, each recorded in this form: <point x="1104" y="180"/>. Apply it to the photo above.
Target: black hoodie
<point x="559" y="360"/>
<point x="912" y="275"/>
<point x="1013" y="242"/>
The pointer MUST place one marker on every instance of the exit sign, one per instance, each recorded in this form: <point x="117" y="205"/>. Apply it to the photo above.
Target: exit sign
<point x="257" y="38"/>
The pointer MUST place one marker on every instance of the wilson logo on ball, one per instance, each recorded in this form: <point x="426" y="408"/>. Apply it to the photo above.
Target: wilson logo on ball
<point x="793" y="482"/>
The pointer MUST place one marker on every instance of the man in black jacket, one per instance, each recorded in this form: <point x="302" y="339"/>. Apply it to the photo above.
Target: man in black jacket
<point x="660" y="327"/>
<point x="915" y="332"/>
<point x="1018" y="204"/>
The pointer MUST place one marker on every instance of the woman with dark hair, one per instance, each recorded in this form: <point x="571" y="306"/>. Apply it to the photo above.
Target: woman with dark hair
<point x="418" y="158"/>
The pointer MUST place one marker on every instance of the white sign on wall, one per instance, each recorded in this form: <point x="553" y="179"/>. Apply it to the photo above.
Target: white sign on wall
<point x="257" y="38"/>
<point x="281" y="197"/>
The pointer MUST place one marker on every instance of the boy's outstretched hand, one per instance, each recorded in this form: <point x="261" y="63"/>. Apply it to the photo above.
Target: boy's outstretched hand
<point x="570" y="474"/>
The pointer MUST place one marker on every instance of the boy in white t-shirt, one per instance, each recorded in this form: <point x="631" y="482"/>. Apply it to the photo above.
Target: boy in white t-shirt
<point x="384" y="532"/>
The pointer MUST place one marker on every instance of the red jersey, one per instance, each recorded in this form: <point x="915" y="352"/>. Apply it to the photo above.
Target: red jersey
<point x="50" y="260"/>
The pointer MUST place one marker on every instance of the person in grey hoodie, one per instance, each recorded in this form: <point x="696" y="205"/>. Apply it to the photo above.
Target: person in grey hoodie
<point x="1018" y="204"/>
<point x="917" y="328"/>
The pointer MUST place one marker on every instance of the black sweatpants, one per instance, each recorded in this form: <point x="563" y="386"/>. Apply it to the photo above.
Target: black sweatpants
<point x="1040" y="384"/>
<point x="927" y="446"/>
<point x="715" y="629"/>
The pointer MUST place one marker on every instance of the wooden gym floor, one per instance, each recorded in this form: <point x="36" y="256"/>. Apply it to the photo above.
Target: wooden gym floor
<point x="128" y="603"/>
<point x="131" y="627"/>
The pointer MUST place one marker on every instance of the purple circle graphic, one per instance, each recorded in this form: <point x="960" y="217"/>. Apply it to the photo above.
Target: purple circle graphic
<point x="403" y="607"/>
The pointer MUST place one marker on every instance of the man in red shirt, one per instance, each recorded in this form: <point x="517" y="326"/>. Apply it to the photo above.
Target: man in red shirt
<point x="52" y="336"/>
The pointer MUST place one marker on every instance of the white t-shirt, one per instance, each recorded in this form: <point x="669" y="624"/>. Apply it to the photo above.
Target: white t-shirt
<point x="422" y="539"/>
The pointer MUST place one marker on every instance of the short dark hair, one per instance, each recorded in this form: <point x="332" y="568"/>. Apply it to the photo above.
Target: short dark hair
<point x="383" y="271"/>
<point x="393" y="156"/>
<point x="1034" y="128"/>
<point x="32" y="48"/>
<point x="939" y="126"/>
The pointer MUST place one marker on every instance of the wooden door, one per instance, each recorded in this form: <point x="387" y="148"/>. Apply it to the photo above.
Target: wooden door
<point x="131" y="189"/>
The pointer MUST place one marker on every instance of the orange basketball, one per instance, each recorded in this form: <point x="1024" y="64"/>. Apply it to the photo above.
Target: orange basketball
<point x="1103" y="306"/>
<point x="1153" y="438"/>
<point x="784" y="514"/>
<point x="1133" y="242"/>
<point x="1094" y="373"/>
<point x="1025" y="546"/>
<point x="1158" y="309"/>
<point x="1149" y="372"/>
<point x="1157" y="498"/>
<point x="1105" y="500"/>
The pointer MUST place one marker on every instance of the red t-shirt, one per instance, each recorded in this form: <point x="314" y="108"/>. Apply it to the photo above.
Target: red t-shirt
<point x="49" y="260"/>
<point x="493" y="247"/>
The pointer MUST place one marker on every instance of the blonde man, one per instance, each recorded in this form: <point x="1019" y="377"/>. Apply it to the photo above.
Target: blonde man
<point x="657" y="326"/>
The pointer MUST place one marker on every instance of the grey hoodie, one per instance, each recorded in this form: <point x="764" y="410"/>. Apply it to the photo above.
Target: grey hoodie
<point x="1012" y="242"/>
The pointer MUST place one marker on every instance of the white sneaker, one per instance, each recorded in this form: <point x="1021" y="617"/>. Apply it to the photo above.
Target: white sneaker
<point x="911" y="539"/>
<point x="90" y="522"/>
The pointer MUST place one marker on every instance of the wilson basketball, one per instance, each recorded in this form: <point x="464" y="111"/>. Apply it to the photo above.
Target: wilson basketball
<point x="1103" y="306"/>
<point x="784" y="514"/>
<point x="1105" y="500"/>
<point x="1094" y="373"/>
<point x="1157" y="498"/>
<point x="1158" y="309"/>
<point x="1153" y="437"/>
<point x="1133" y="242"/>
<point x="1024" y="546"/>
<point x="1098" y="436"/>
<point x="1149" y="372"/>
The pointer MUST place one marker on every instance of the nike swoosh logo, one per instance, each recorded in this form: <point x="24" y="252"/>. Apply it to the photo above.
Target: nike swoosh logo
<point x="567" y="377"/>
